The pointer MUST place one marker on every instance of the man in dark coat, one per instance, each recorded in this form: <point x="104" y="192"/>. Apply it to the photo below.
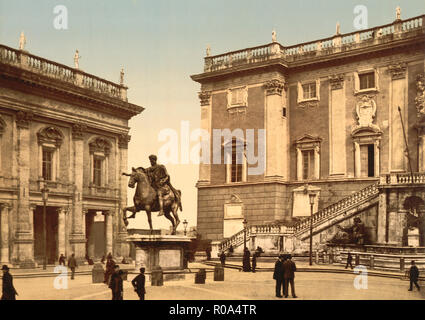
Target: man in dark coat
<point x="246" y="263"/>
<point x="289" y="269"/>
<point x="110" y="267"/>
<point x="62" y="260"/>
<point x="278" y="276"/>
<point x="8" y="290"/>
<point x="72" y="264"/>
<point x="414" y="276"/>
<point x="139" y="284"/>
<point x="223" y="258"/>
<point x="349" y="261"/>
<point x="116" y="284"/>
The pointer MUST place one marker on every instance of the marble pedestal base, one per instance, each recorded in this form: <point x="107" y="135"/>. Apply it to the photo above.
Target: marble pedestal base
<point x="167" y="251"/>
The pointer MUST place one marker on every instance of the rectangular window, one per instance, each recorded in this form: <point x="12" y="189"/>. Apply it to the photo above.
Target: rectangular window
<point x="237" y="158"/>
<point x="47" y="164"/>
<point x="367" y="80"/>
<point x="238" y="96"/>
<point x="309" y="90"/>
<point x="283" y="112"/>
<point x="367" y="160"/>
<point x="97" y="171"/>
<point x="308" y="164"/>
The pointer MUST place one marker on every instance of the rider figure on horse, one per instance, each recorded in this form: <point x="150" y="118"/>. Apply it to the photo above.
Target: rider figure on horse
<point x="159" y="179"/>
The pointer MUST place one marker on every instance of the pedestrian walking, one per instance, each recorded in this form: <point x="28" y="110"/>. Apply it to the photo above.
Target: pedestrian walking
<point x="254" y="261"/>
<point x="289" y="269"/>
<point x="72" y="264"/>
<point x="246" y="263"/>
<point x="414" y="276"/>
<point x="278" y="276"/>
<point x="139" y="284"/>
<point x="116" y="284"/>
<point x="208" y="253"/>
<point x="8" y="290"/>
<point x="223" y="258"/>
<point x="349" y="261"/>
<point x="110" y="267"/>
<point x="62" y="260"/>
<point x="231" y="250"/>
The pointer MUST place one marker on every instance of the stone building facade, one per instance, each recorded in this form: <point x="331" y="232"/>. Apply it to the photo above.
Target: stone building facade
<point x="329" y="111"/>
<point x="66" y="130"/>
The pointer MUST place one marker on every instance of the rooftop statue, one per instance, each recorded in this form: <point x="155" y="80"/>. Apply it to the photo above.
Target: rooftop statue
<point x="22" y="41"/>
<point x="274" y="36"/>
<point x="76" y="58"/>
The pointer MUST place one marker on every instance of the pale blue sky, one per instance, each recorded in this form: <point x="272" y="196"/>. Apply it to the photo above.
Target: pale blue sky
<point x="161" y="43"/>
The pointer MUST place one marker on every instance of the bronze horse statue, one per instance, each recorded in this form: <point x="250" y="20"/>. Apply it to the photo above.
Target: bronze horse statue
<point x="146" y="198"/>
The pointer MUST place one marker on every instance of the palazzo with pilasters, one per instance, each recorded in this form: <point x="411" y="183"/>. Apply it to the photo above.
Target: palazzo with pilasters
<point x="66" y="130"/>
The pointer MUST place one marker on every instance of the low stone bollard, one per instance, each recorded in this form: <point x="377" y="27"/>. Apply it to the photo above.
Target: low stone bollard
<point x="157" y="277"/>
<point x="200" y="276"/>
<point x="317" y="257"/>
<point x="97" y="273"/>
<point x="218" y="273"/>
<point x="331" y="258"/>
<point x="401" y="264"/>
<point x="372" y="262"/>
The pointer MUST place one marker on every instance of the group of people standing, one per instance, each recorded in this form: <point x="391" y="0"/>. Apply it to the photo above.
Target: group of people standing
<point x="284" y="274"/>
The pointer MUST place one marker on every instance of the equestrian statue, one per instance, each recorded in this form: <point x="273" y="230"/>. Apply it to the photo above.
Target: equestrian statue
<point x="154" y="193"/>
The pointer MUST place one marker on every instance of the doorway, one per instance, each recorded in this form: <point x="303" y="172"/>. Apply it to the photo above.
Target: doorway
<point x="51" y="235"/>
<point x="95" y="235"/>
<point x="367" y="160"/>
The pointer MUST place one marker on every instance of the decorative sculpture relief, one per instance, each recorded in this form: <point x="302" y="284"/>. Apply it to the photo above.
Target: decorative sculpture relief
<point x="336" y="81"/>
<point x="100" y="145"/>
<point x="420" y="97"/>
<point x="205" y="97"/>
<point x="123" y="140"/>
<point x="23" y="119"/>
<point x="354" y="234"/>
<point x="366" y="111"/>
<point x="50" y="135"/>
<point x="78" y="130"/>
<point x="398" y="71"/>
<point x="274" y="86"/>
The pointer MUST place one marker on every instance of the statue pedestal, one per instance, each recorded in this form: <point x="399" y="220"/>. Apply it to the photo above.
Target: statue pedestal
<point x="167" y="251"/>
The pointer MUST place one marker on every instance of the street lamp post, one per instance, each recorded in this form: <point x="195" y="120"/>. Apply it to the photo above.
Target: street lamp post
<point x="311" y="197"/>
<point x="185" y="226"/>
<point x="44" y="195"/>
<point x="244" y="233"/>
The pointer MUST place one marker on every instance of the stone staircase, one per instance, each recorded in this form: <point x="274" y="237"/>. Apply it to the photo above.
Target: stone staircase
<point x="337" y="212"/>
<point x="326" y="217"/>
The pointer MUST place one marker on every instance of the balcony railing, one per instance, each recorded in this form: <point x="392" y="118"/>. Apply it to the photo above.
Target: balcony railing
<point x="338" y="43"/>
<point x="54" y="70"/>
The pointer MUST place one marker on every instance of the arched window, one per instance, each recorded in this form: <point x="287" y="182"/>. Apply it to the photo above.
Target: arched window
<point x="99" y="161"/>
<point x="49" y="142"/>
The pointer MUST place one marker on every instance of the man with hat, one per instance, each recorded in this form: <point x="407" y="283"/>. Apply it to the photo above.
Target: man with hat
<point x="289" y="269"/>
<point x="278" y="276"/>
<point x="116" y="284"/>
<point x="139" y="284"/>
<point x="9" y="292"/>
<point x="159" y="178"/>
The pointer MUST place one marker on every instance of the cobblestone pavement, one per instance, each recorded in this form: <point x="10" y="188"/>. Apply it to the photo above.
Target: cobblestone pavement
<point x="237" y="286"/>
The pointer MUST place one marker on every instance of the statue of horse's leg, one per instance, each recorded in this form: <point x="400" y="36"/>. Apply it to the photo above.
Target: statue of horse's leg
<point x="169" y="217"/>
<point x="149" y="214"/>
<point x="174" y="209"/>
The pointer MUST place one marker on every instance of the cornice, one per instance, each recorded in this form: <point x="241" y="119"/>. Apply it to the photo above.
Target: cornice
<point x="41" y="85"/>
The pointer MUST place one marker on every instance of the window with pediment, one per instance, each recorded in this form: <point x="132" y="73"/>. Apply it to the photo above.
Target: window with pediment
<point x="49" y="142"/>
<point x="99" y="161"/>
<point x="308" y="157"/>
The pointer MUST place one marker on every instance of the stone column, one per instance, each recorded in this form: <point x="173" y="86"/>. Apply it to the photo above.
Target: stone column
<point x="122" y="246"/>
<point x="61" y="230"/>
<point x="382" y="218"/>
<point x="4" y="233"/>
<point x="357" y="169"/>
<point x="109" y="232"/>
<point x="77" y="237"/>
<point x="276" y="130"/>
<point x="23" y="236"/>
<point x="316" y="163"/>
<point x="205" y="168"/>
<point x="377" y="158"/>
